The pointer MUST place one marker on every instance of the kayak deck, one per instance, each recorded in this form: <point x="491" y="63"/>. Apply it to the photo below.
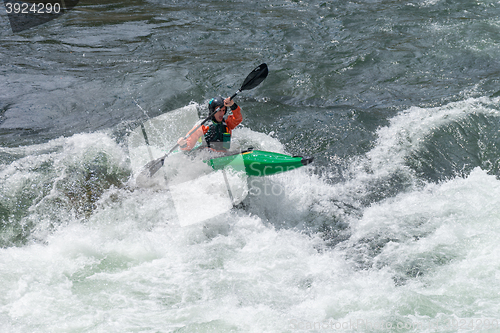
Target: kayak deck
<point x="259" y="163"/>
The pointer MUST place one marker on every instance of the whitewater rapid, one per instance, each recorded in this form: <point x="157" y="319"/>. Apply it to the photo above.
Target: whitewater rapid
<point x="82" y="250"/>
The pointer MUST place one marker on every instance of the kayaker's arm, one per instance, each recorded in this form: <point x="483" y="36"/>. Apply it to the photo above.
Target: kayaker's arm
<point x="235" y="119"/>
<point x="190" y="142"/>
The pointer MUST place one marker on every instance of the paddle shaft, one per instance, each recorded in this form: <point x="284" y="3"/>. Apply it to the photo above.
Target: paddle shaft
<point x="236" y="93"/>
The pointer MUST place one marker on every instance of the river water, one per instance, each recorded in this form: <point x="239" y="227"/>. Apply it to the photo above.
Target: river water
<point x="394" y="227"/>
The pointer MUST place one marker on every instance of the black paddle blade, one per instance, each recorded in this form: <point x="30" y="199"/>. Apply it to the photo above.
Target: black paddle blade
<point x="152" y="167"/>
<point x="255" y="77"/>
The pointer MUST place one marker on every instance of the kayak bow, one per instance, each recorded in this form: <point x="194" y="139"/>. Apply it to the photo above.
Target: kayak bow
<point x="259" y="163"/>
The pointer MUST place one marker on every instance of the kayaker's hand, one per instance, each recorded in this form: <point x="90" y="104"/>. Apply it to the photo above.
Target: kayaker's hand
<point x="228" y="102"/>
<point x="182" y="142"/>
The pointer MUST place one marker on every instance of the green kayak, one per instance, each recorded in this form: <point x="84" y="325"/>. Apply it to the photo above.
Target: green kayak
<point x="259" y="163"/>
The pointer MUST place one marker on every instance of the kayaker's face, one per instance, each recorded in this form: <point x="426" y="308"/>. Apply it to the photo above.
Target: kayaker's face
<point x="219" y="115"/>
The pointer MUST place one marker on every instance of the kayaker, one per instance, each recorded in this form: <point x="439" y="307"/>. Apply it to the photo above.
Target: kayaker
<point x="217" y="135"/>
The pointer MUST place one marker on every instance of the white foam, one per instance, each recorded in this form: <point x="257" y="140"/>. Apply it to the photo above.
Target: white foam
<point x="426" y="254"/>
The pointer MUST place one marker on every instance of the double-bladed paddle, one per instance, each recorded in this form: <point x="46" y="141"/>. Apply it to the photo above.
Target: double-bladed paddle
<point x="252" y="80"/>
